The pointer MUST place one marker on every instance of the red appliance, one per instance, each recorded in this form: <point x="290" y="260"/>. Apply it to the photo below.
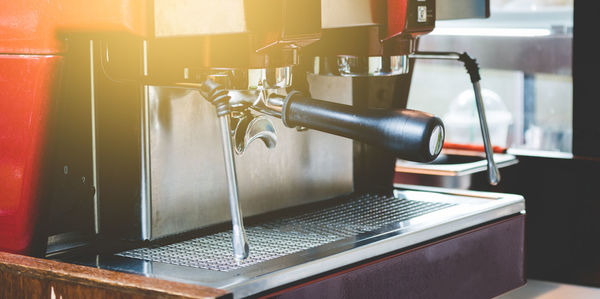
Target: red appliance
<point x="26" y="87"/>
<point x="30" y="64"/>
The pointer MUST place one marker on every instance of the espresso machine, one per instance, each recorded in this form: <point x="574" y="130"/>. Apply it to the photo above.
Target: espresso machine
<point x="250" y="145"/>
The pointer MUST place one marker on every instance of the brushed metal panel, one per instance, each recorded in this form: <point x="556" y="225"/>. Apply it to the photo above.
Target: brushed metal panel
<point x="188" y="186"/>
<point x="348" y="13"/>
<point x="190" y="17"/>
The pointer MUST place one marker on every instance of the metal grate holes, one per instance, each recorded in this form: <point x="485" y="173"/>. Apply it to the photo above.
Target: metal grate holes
<point x="286" y="236"/>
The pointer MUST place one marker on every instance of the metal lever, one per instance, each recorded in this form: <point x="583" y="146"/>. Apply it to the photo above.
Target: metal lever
<point x="241" y="250"/>
<point x="473" y="70"/>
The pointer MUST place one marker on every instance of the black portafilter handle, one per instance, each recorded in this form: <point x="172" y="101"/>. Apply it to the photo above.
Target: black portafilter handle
<point x="410" y="134"/>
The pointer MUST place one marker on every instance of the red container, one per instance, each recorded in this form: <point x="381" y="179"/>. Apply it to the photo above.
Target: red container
<point x="26" y="87"/>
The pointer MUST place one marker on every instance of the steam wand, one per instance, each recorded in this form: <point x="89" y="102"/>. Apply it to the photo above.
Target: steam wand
<point x="218" y="96"/>
<point x="473" y="70"/>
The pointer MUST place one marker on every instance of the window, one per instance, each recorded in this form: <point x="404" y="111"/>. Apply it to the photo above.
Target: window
<point x="525" y="53"/>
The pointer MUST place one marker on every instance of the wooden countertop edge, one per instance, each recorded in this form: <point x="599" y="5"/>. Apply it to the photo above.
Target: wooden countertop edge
<point x="53" y="270"/>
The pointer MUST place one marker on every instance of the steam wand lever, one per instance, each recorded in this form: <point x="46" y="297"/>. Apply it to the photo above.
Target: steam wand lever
<point x="218" y="96"/>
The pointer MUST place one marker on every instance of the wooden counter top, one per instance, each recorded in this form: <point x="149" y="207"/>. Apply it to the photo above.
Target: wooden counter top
<point x="27" y="277"/>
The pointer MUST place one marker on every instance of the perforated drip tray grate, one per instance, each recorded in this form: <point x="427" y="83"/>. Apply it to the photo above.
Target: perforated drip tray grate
<point x="281" y="237"/>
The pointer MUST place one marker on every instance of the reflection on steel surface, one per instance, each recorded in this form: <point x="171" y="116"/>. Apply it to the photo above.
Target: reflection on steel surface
<point x="187" y="186"/>
<point x="286" y="236"/>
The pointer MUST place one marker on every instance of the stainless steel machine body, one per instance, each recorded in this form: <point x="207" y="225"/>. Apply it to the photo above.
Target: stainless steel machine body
<point x="315" y="202"/>
<point x="155" y="146"/>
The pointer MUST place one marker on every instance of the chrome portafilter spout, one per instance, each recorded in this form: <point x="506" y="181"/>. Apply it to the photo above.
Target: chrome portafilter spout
<point x="247" y="127"/>
<point x="473" y="70"/>
<point x="216" y="95"/>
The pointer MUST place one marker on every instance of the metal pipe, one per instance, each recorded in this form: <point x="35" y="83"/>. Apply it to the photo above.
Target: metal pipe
<point x="493" y="172"/>
<point x="241" y="249"/>
<point x="275" y="102"/>
<point x="472" y="68"/>
<point x="435" y="55"/>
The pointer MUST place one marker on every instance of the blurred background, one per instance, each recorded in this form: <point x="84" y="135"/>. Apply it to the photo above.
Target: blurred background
<point x="525" y="53"/>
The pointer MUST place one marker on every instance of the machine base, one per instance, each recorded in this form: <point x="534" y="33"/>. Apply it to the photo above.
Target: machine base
<point x="480" y="263"/>
<point x="338" y="234"/>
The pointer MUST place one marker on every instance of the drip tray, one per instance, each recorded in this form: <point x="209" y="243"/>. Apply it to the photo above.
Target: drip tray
<point x="287" y="249"/>
<point x="282" y="237"/>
